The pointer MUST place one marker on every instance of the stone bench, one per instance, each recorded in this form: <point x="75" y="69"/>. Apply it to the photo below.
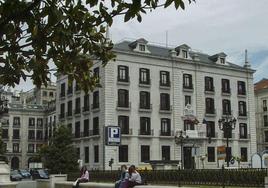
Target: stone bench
<point x="68" y="184"/>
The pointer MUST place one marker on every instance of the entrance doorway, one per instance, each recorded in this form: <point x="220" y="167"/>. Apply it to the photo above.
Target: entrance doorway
<point x="15" y="163"/>
<point x="188" y="160"/>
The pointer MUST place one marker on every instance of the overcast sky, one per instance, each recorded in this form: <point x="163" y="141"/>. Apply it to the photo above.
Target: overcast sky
<point x="209" y="26"/>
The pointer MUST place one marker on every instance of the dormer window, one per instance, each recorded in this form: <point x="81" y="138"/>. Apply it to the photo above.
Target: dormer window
<point x="142" y="47"/>
<point x="222" y="60"/>
<point x="184" y="54"/>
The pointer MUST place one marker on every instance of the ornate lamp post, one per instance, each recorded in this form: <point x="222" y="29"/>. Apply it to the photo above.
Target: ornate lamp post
<point x="181" y="139"/>
<point x="227" y="124"/>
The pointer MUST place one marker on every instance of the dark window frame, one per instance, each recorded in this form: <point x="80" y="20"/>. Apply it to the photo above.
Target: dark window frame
<point x="210" y="106"/>
<point x="225" y="86"/>
<point x="144" y="76"/>
<point x="145" y="101"/>
<point x="226" y="107"/>
<point x="209" y="84"/>
<point x="123" y="98"/>
<point x="164" y="101"/>
<point x="243" y="131"/>
<point x="187" y="81"/>
<point x="123" y="153"/>
<point x="164" y="78"/>
<point x="145" y="153"/>
<point x="123" y="73"/>
<point x="241" y="88"/>
<point x="165" y="153"/>
<point x="145" y="126"/>
<point x="165" y="129"/>
<point x="211" y="154"/>
<point x="123" y="123"/>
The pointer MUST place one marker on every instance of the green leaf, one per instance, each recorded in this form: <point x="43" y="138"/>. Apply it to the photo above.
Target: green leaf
<point x="168" y="2"/>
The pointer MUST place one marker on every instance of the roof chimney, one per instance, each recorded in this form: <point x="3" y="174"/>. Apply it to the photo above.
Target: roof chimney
<point x="247" y="64"/>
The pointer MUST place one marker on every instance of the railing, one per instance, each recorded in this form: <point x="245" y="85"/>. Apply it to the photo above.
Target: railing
<point x="147" y="82"/>
<point x="224" y="92"/>
<point x="95" y="106"/>
<point x="161" y="84"/>
<point x="146" y="132"/>
<point x="16" y="125"/>
<point x="69" y="113"/>
<point x="77" y="111"/>
<point x="85" y="108"/>
<point x="145" y="107"/>
<point x="248" y="177"/>
<point x="126" y="80"/>
<point x="126" y="132"/>
<point x="165" y="109"/>
<point x="166" y="133"/>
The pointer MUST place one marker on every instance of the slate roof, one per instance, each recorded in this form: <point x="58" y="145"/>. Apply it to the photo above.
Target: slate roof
<point x="160" y="51"/>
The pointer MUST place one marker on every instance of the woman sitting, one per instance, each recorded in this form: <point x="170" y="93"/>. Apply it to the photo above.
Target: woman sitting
<point x="135" y="178"/>
<point x="84" y="177"/>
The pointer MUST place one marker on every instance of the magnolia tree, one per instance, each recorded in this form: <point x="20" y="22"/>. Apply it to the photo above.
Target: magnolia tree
<point x="69" y="33"/>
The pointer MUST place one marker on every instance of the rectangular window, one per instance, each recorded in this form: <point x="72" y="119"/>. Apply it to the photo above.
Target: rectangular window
<point x="211" y="154"/>
<point x="5" y="133"/>
<point x="165" y="153"/>
<point x="225" y="86"/>
<point x="96" y="99"/>
<point x="96" y="154"/>
<point x="51" y="94"/>
<point x="62" y="110"/>
<point x="187" y="100"/>
<point x="266" y="136"/>
<point x="264" y="105"/>
<point x="145" y="126"/>
<point x="39" y="135"/>
<point x="31" y="122"/>
<point x="265" y="120"/>
<point x="77" y="129"/>
<point x="31" y="134"/>
<point x="145" y="100"/>
<point x="30" y="148"/>
<point x="123" y="123"/>
<point x="16" y="148"/>
<point x="77" y="86"/>
<point x="144" y="76"/>
<point x="123" y="153"/>
<point x="226" y="107"/>
<point x="62" y="90"/>
<point x="123" y="73"/>
<point x="241" y="88"/>
<point x="86" y="149"/>
<point x="96" y="72"/>
<point x="16" y="134"/>
<point x="242" y="108"/>
<point x="70" y="89"/>
<point x="145" y="153"/>
<point x="164" y="101"/>
<point x="164" y="78"/>
<point x="165" y="127"/>
<point x="210" y="108"/>
<point x="187" y="81"/>
<point x="222" y="60"/>
<point x="86" y="154"/>
<point x="39" y="122"/>
<point x="123" y="100"/>
<point x="44" y="93"/>
<point x="209" y="85"/>
<point x="211" y="129"/>
<point x="244" y="154"/>
<point x="16" y="120"/>
<point x="96" y="126"/>
<point x="70" y="108"/>
<point x="184" y="54"/>
<point x="86" y="103"/>
<point x="77" y="106"/>
<point x="142" y="47"/>
<point x="188" y="125"/>
<point x="243" y="133"/>
<point x="86" y="127"/>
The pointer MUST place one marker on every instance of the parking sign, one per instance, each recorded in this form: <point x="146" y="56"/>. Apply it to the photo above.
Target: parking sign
<point x="113" y="135"/>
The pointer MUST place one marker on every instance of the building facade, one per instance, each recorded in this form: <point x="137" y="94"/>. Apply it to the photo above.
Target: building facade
<point x="145" y="92"/>
<point x="261" y="98"/>
<point x="25" y="127"/>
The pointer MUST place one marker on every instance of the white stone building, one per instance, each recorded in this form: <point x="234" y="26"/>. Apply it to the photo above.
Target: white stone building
<point x="145" y="92"/>
<point x="25" y="128"/>
<point x="261" y="99"/>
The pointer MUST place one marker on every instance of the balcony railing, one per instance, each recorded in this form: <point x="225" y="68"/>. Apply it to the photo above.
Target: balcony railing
<point x="211" y="112"/>
<point x="226" y="91"/>
<point x="61" y="116"/>
<point x="210" y="89"/>
<point x="265" y="108"/>
<point x="123" y="106"/>
<point x="77" y="111"/>
<point x="86" y="108"/>
<point x="126" y="131"/>
<point x="16" y="125"/>
<point x="147" y="82"/>
<point x="166" y="84"/>
<point x="124" y="80"/>
<point x="95" y="105"/>
<point x="62" y="95"/>
<point x="31" y="138"/>
<point x="166" y="133"/>
<point x="16" y="137"/>
<point x="69" y="113"/>
<point x="165" y="109"/>
<point x="146" y="132"/>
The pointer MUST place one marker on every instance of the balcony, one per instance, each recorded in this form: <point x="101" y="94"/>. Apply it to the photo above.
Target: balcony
<point x="242" y="115"/>
<point x="31" y="139"/>
<point x="77" y="111"/>
<point x="5" y="137"/>
<point x="86" y="109"/>
<point x="165" y="109"/>
<point x="226" y="92"/>
<point x="95" y="107"/>
<point x="144" y="108"/>
<point x="188" y="88"/>
<point x="163" y="133"/>
<point x="165" y="85"/>
<point x="31" y="126"/>
<point x="123" y="81"/>
<point x="210" y="112"/>
<point x="69" y="114"/>
<point x="123" y="106"/>
<point x="15" y="137"/>
<point x="210" y="91"/>
<point x="265" y="108"/>
<point x="244" y="137"/>
<point x="70" y="92"/>
<point x="194" y="134"/>
<point x="126" y="132"/>
<point x="61" y="116"/>
<point x="146" y="132"/>
<point x="16" y="125"/>
<point x="62" y="95"/>
<point x="212" y="135"/>
<point x="145" y="83"/>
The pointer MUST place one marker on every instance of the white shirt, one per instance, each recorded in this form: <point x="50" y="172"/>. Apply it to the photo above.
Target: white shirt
<point x="135" y="177"/>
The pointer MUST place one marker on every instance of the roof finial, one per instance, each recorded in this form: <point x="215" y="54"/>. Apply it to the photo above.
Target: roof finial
<point x="247" y="64"/>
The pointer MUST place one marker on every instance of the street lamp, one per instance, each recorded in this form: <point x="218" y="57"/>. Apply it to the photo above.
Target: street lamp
<point x="227" y="124"/>
<point x="181" y="139"/>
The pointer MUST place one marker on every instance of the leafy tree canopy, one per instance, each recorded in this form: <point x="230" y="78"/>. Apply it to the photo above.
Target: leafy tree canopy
<point x="70" y="33"/>
<point x="60" y="155"/>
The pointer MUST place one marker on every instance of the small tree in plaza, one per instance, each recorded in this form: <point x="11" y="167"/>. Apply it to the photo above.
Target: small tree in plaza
<point x="60" y="155"/>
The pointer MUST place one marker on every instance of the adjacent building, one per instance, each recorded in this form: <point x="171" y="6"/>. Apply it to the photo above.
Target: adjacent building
<point x="152" y="92"/>
<point x="25" y="127"/>
<point x="261" y="98"/>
